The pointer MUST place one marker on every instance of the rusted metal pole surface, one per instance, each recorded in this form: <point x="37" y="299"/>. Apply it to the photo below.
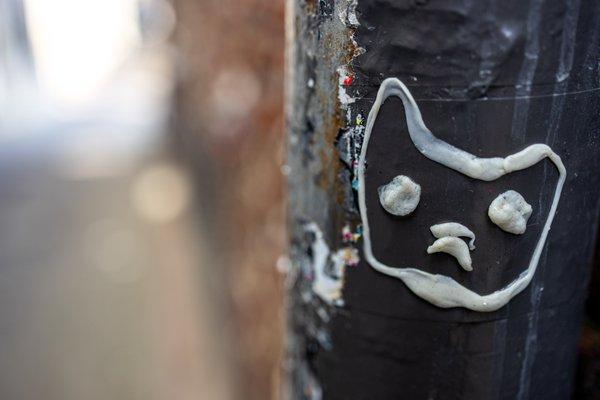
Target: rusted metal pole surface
<point x="490" y="78"/>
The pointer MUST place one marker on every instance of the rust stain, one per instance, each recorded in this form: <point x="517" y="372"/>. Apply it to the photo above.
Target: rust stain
<point x="332" y="167"/>
<point x="311" y="6"/>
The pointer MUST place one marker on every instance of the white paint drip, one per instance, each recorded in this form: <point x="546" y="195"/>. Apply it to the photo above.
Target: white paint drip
<point x="453" y="229"/>
<point x="442" y="290"/>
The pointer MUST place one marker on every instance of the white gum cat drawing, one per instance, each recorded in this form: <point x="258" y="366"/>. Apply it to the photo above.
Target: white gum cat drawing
<point x="438" y="289"/>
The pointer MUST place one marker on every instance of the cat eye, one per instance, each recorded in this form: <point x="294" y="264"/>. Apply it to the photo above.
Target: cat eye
<point x="400" y="196"/>
<point x="510" y="212"/>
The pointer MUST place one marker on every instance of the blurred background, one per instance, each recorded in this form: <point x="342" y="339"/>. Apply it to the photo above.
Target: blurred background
<point x="141" y="214"/>
<point x="141" y="201"/>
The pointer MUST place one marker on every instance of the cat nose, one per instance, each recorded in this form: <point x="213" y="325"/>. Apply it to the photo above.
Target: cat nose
<point x="448" y="241"/>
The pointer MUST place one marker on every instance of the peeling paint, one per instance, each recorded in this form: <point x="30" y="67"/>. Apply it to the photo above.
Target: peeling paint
<point x="329" y="268"/>
<point x="349" y="236"/>
<point x="322" y="140"/>
<point x="345" y="257"/>
<point x="311" y="389"/>
<point x="348" y="14"/>
<point x="343" y="96"/>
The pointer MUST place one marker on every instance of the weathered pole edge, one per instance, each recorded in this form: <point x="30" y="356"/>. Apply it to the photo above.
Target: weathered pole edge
<point x="320" y="46"/>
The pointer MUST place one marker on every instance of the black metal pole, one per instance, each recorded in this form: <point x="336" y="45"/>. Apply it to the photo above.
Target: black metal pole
<point x="491" y="78"/>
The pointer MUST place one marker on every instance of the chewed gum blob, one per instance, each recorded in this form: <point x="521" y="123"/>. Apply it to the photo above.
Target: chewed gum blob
<point x="401" y="196"/>
<point x="510" y="212"/>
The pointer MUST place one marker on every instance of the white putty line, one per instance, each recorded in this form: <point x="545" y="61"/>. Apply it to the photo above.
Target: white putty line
<point x="441" y="290"/>
<point x="453" y="229"/>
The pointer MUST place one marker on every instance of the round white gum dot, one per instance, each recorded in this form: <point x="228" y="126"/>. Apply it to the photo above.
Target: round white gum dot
<point x="510" y="212"/>
<point x="401" y="196"/>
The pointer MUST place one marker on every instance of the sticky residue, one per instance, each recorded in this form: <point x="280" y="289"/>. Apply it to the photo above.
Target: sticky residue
<point x="348" y="14"/>
<point x="441" y="290"/>
<point x="351" y="237"/>
<point x="351" y="138"/>
<point x="510" y="212"/>
<point x="311" y="389"/>
<point x="455" y="247"/>
<point x="346" y="256"/>
<point x="401" y="196"/>
<point x="453" y="229"/>
<point x="344" y="81"/>
<point x="350" y="143"/>
<point x="348" y="80"/>
<point x="326" y="284"/>
<point x="328" y="267"/>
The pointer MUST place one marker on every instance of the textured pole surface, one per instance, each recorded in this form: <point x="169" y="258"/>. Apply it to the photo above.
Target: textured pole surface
<point x="490" y="77"/>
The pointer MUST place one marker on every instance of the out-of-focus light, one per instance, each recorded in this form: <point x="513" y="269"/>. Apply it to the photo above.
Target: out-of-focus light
<point x="78" y="44"/>
<point x="161" y="193"/>
<point x="116" y="250"/>
<point x="235" y="93"/>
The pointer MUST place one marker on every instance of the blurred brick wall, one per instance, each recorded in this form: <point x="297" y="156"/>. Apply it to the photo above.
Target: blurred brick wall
<point x="228" y="118"/>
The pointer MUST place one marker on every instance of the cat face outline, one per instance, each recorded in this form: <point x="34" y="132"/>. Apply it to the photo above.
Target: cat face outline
<point x="442" y="290"/>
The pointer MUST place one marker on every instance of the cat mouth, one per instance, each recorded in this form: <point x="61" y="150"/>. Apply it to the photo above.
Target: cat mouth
<point x="448" y="240"/>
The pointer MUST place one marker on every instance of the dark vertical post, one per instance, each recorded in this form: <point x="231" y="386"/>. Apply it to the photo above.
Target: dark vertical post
<point x="490" y="77"/>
